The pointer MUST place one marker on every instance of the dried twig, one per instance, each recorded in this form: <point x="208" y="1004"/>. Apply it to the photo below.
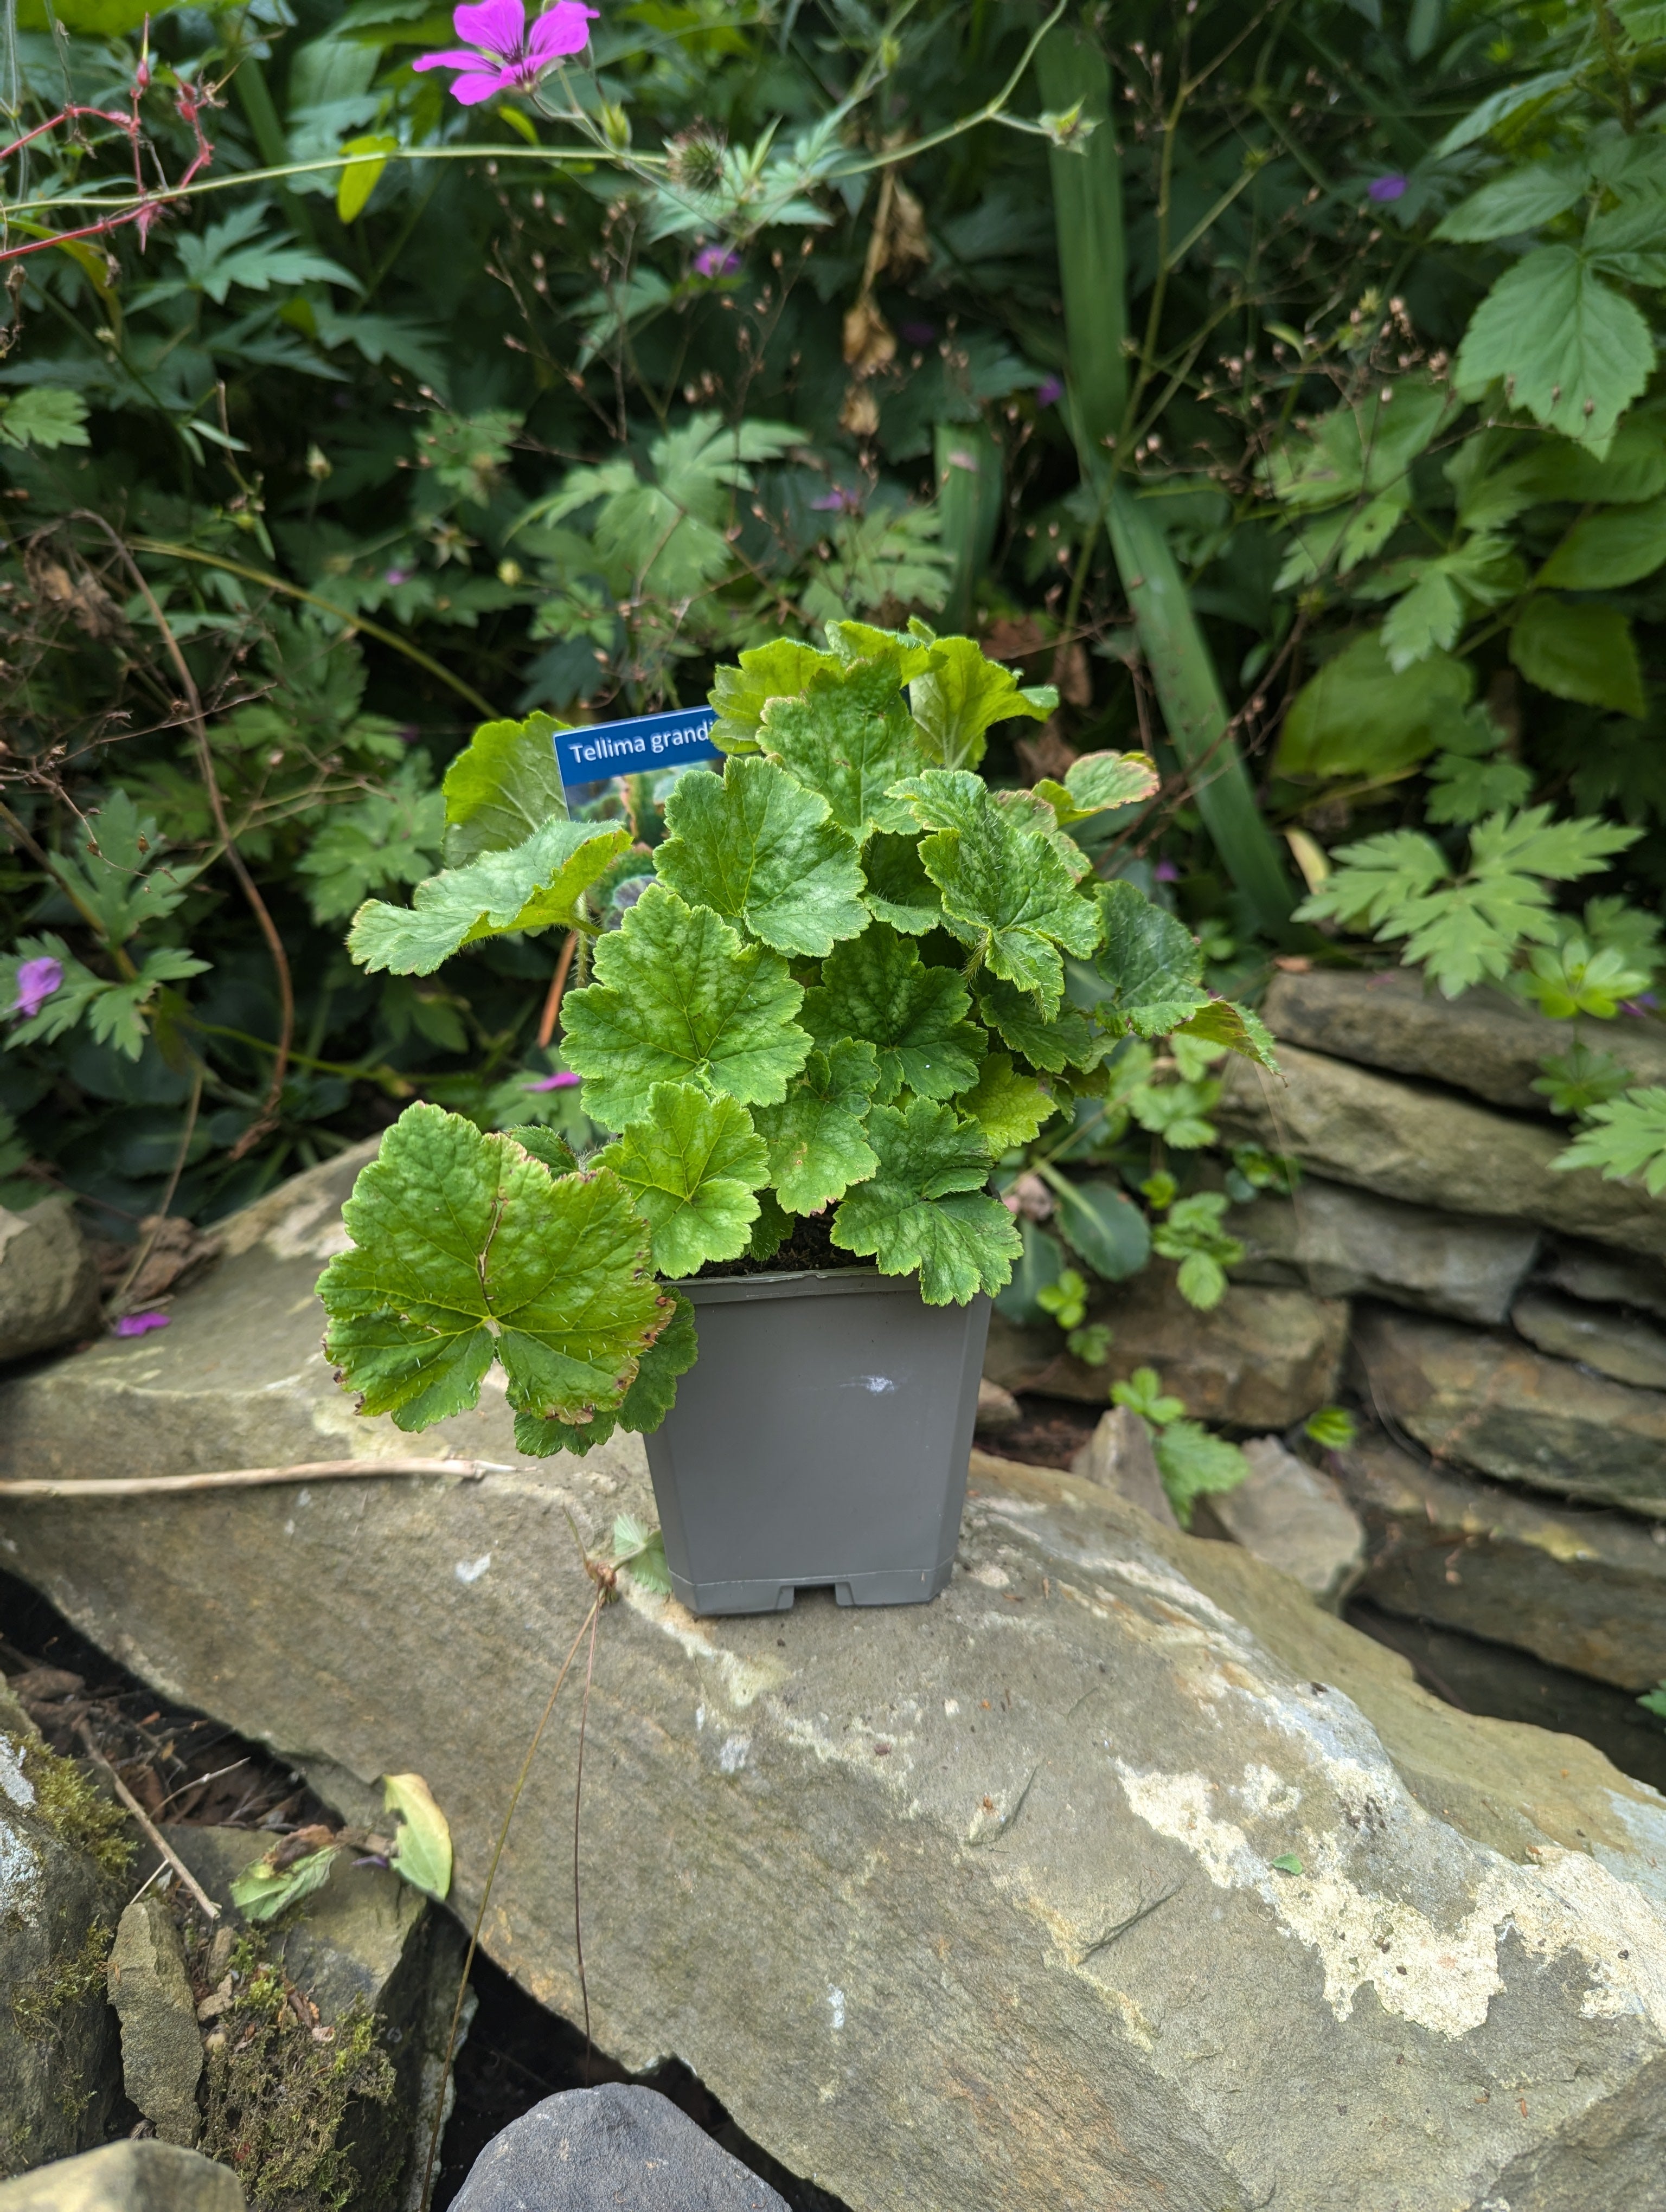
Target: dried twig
<point x="152" y="1835"/>
<point x="250" y="1478"/>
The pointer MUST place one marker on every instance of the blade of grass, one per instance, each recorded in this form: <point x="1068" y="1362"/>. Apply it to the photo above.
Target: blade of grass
<point x="1087" y="202"/>
<point x="969" y="489"/>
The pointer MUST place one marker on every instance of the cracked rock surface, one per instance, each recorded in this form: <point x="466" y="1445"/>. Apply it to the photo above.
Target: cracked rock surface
<point x="1120" y="1874"/>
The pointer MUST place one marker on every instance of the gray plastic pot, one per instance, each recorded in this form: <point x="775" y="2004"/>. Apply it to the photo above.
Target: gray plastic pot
<point x="820" y="1437"/>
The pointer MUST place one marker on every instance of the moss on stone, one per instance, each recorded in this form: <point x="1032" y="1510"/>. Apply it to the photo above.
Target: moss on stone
<point x="80" y="1814"/>
<point x="40" y="2004"/>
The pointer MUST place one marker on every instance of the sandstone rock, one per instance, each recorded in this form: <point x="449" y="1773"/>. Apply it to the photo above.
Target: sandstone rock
<point x="1261" y="1358"/>
<point x="1484" y="1400"/>
<point x="1577" y="1588"/>
<point x="1343" y="1243"/>
<point x="1586" y="1271"/>
<point x="997" y="1409"/>
<point x="1484" y="1041"/>
<point x="1292" y="1518"/>
<point x="62" y="1884"/>
<point x="1118" y="1456"/>
<point x="49" y="1283"/>
<point x="618" y="2145"/>
<point x="1408" y="1142"/>
<point x="127" y="2177"/>
<point x="927" y="1897"/>
<point x="161" y="2050"/>
<point x="1616" y="1344"/>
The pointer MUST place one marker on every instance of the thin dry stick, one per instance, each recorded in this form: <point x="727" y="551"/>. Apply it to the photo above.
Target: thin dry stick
<point x="146" y="1244"/>
<point x="578" y="1794"/>
<point x="153" y="1835"/>
<point x="250" y="1478"/>
<point x="552" y="1014"/>
<point x="267" y="1116"/>
<point x="486" y="1894"/>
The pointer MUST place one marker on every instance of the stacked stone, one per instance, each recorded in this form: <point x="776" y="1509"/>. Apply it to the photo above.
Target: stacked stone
<point x="1507" y="1332"/>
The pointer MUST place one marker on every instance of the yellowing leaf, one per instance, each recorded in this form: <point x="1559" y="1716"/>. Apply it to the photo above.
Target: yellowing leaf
<point x="359" y="179"/>
<point x="422" y="1848"/>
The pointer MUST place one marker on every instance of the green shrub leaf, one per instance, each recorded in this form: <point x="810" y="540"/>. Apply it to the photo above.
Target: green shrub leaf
<point x="262" y="1891"/>
<point x="1240" y="1030"/>
<point x="1006" y="891"/>
<point x="755" y="847"/>
<point x="679" y="998"/>
<point x="815" y="1136"/>
<point x="1109" y="1230"/>
<point x="503" y="786"/>
<point x="850" y="737"/>
<point x="1626" y="1136"/>
<point x="1040" y="1265"/>
<point x="1618" y="545"/>
<point x="466" y="1248"/>
<point x="1567" y="347"/>
<point x="422" y="1846"/>
<point x="899" y="890"/>
<point x="1150" y="966"/>
<point x="537" y="885"/>
<point x="1054" y="1041"/>
<point x="1193" y="1464"/>
<point x="923" y="1208"/>
<point x="1008" y="1107"/>
<point x="692" y="1164"/>
<point x="1577" y="651"/>
<point x="962" y="695"/>
<point x="1358" y="716"/>
<point x="878" y="987"/>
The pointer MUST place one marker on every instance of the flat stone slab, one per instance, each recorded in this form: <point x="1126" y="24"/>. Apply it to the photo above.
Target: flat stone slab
<point x="1623" y="1346"/>
<point x="1120" y="1874"/>
<point x="127" y="2177"/>
<point x="1576" y="1588"/>
<point x="1485" y="1400"/>
<point x="1483" y="1041"/>
<point x="618" y="2148"/>
<point x="1406" y="1140"/>
<point x="1261" y="1359"/>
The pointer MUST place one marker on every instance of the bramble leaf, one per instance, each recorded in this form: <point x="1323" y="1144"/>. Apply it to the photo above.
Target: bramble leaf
<point x="1569" y="347"/>
<point x="1193" y="1464"/>
<point x="1107" y="1229"/>
<point x="651" y="1396"/>
<point x="957" y="699"/>
<point x="677" y="998"/>
<point x="1152" y="966"/>
<point x="692" y="1164"/>
<point x="757" y="848"/>
<point x="1009" y="1108"/>
<point x="815" y="1136"/>
<point x="504" y="784"/>
<point x="899" y="890"/>
<point x="1575" y="650"/>
<point x="1624" y="1137"/>
<point x="466" y="1248"/>
<point x="1065" y="1039"/>
<point x="878" y="987"/>
<point x="1616" y="545"/>
<point x="850" y="737"/>
<point x="537" y="885"/>
<point x="781" y="670"/>
<point x="924" y="1208"/>
<point x="1006" y="892"/>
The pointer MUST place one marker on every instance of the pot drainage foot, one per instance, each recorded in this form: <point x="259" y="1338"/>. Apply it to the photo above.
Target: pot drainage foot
<point x="892" y="1586"/>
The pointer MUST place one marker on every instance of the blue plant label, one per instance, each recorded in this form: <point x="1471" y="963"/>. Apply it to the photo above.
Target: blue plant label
<point x="679" y="738"/>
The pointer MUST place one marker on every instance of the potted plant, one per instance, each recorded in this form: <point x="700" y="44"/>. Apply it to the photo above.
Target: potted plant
<point x="851" y="978"/>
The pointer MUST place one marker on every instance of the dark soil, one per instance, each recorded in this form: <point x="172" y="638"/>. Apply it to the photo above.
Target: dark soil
<point x="1051" y="1433"/>
<point x="810" y="1245"/>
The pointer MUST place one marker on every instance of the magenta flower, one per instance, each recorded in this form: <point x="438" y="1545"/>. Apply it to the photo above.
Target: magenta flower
<point x="507" y="52"/>
<point x="837" y="502"/>
<point x="1167" y="872"/>
<point x="395" y="577"/>
<point x="561" y="1081"/>
<point x="1050" y="391"/>
<point x="1383" y="189"/>
<point x="716" y="261"/>
<point x="36" y="981"/>
<point x="140" y="1324"/>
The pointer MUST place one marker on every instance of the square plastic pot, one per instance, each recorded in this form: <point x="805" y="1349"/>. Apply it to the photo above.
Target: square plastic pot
<point x="821" y="1437"/>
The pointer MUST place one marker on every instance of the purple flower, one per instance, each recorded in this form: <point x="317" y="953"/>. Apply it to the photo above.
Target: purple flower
<point x="140" y="1324"/>
<point x="1050" y="391"/>
<point x="36" y="981"/>
<point x="716" y="261"/>
<point x="1383" y="189"/>
<point x="561" y="1081"/>
<point x="506" y="53"/>
<point x="837" y="502"/>
<point x="917" y="334"/>
<point x="1167" y="872"/>
<point x="395" y="577"/>
<point x="1644" y="1003"/>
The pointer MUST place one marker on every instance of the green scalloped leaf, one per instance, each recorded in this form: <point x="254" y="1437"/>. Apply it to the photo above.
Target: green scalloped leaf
<point x="815" y="1136"/>
<point x="645" y="1405"/>
<point x="907" y="653"/>
<point x="1152" y="965"/>
<point x="1095" y="782"/>
<point x="1006" y="892"/>
<point x="466" y="1249"/>
<point x="899" y="890"/>
<point x="504" y="784"/>
<point x="924" y="1209"/>
<point x="879" y="988"/>
<point x="962" y="695"/>
<point x="781" y="670"/>
<point x="1052" y="1041"/>
<point x="679" y="999"/>
<point x="537" y="885"/>
<point x="755" y="847"/>
<point x="691" y="1163"/>
<point x="1008" y="1106"/>
<point x="849" y="736"/>
<point x="1221" y="1021"/>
